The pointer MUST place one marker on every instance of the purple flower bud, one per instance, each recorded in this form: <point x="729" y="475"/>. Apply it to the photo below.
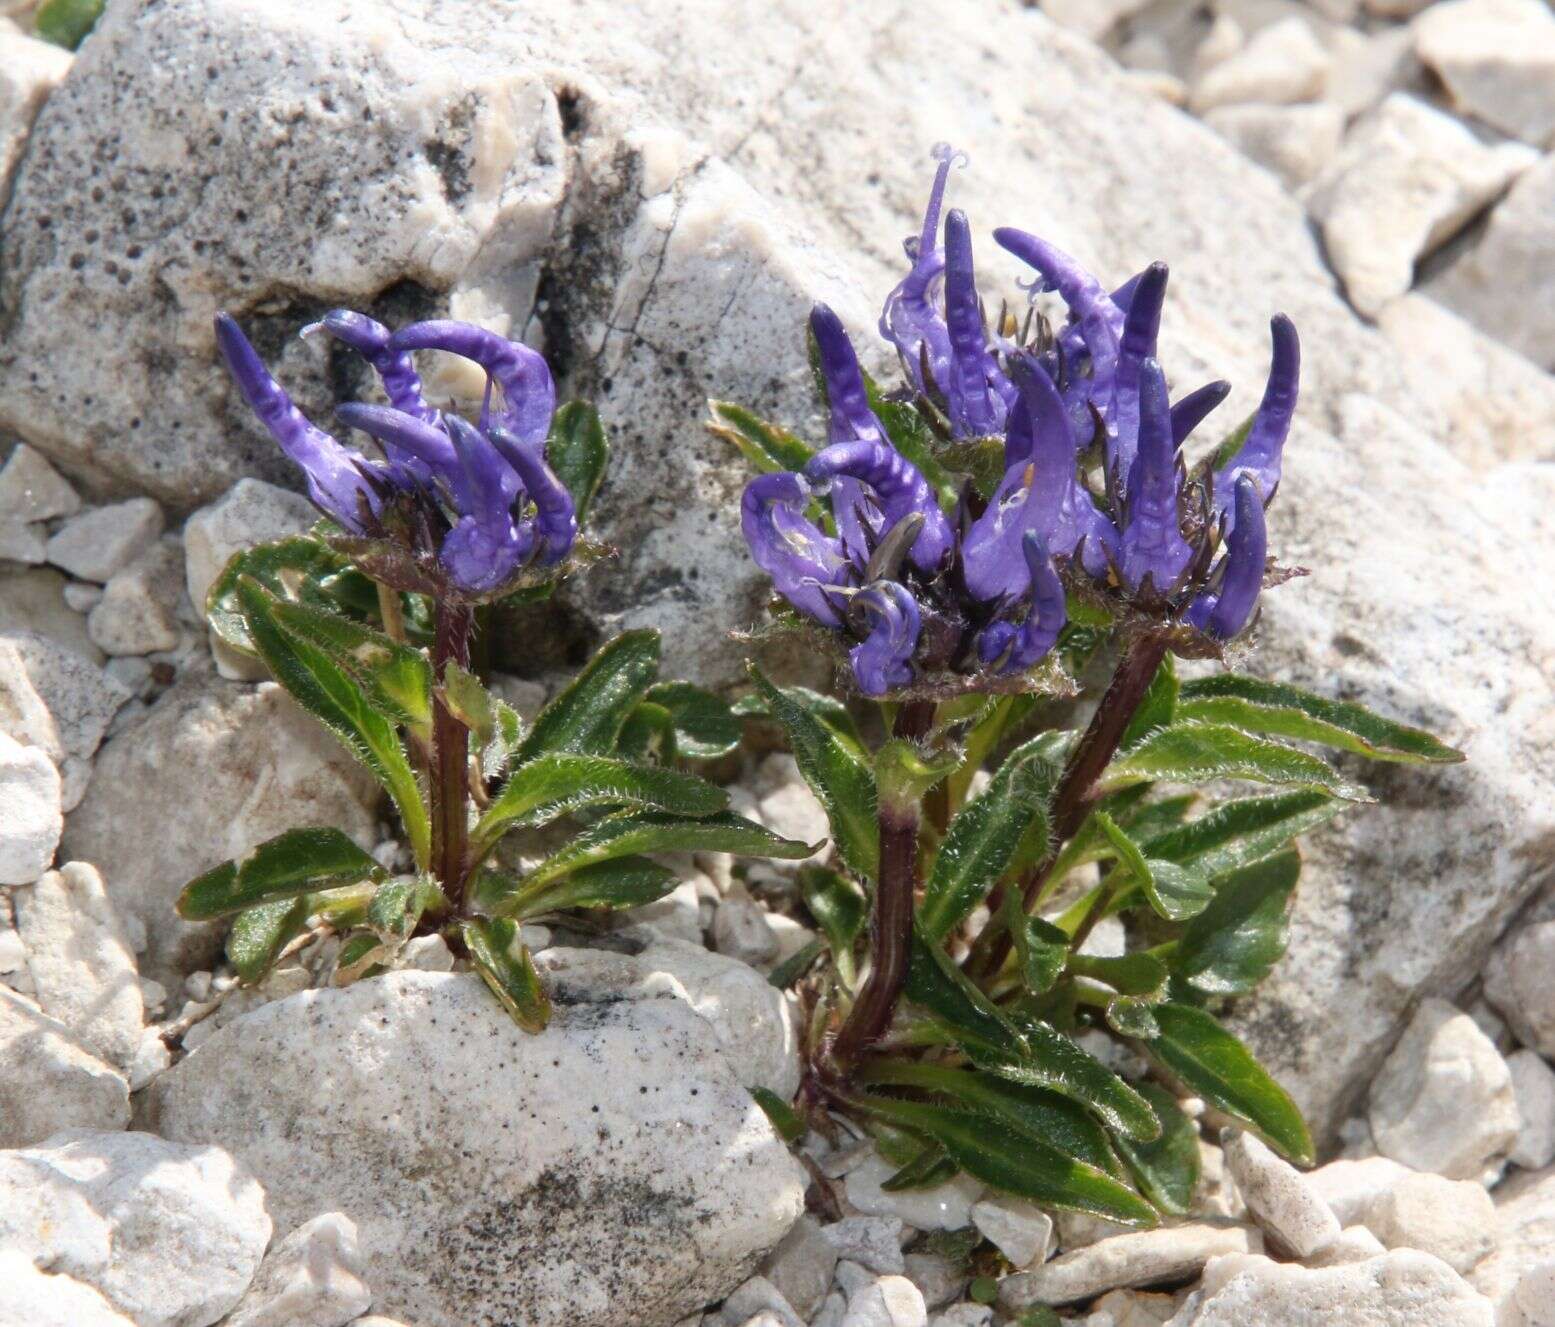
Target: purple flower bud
<point x="1153" y="546"/>
<point x="1191" y="411"/>
<point x="851" y="418"/>
<point x="911" y="321"/>
<point x="801" y="560"/>
<point x="979" y="394"/>
<point x="1223" y="613"/>
<point x="529" y="394"/>
<point x="1261" y="452"/>
<point x="370" y="339"/>
<point x="898" y="489"/>
<point x="484" y="548"/>
<point x="555" y="522"/>
<point x="339" y="482"/>
<point x="883" y="661"/>
<point x="1141" y="327"/>
<point x="1014" y="649"/>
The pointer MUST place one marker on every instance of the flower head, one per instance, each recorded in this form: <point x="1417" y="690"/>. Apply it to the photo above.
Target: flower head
<point x="474" y="504"/>
<point x="980" y="590"/>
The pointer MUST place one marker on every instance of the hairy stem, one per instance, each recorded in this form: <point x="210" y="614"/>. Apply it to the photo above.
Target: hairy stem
<point x="449" y="783"/>
<point x="890" y="923"/>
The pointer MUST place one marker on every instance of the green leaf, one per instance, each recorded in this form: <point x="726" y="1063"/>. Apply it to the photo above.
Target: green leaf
<point x="647" y="734"/>
<point x="1041" y="949"/>
<point x="1231" y="946"/>
<point x="1045" y="1115"/>
<point x="359" y="955"/>
<point x="507" y="733"/>
<point x="984" y="835"/>
<point x="1219" y="1068"/>
<point x="625" y="882"/>
<point x="1007" y="1158"/>
<point x="1128" y="974"/>
<point x="586" y="717"/>
<point x="792" y="968"/>
<point x="67" y="22"/>
<point x="840" y="909"/>
<point x="259" y="935"/>
<point x="937" y="986"/>
<point x="577" y="452"/>
<point x="1132" y="1016"/>
<point x="1168" y="1168"/>
<point x="1174" y="891"/>
<point x="469" y="702"/>
<point x="785" y="1120"/>
<point x="289" y="568"/>
<point x="651" y="831"/>
<point x="903" y="774"/>
<point x="828" y="709"/>
<point x="505" y="965"/>
<point x="1056" y="1063"/>
<point x="560" y="784"/>
<point x="911" y="435"/>
<point x="296" y="862"/>
<point x="705" y="726"/>
<point x="1237" y="833"/>
<point x="1231" y="445"/>
<point x="930" y="1167"/>
<point x="1157" y="708"/>
<point x="332" y="696"/>
<point x="1286" y="711"/>
<point x="1207" y="752"/>
<point x="837" y="772"/>
<point x="397" y="905"/>
<point x="766" y="446"/>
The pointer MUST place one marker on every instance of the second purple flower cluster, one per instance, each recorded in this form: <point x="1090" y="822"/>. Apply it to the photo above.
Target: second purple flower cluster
<point x="981" y="589"/>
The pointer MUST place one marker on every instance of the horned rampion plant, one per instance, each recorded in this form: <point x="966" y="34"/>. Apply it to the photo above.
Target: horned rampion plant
<point x="1023" y="514"/>
<point x="368" y="622"/>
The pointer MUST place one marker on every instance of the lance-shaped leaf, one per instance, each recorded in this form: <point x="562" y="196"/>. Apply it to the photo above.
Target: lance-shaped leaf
<point x="1231" y="946"/>
<point x="1041" y="949"/>
<point x="397" y="905"/>
<point x="788" y="1123"/>
<point x="828" y="709"/>
<point x="331" y="695"/>
<point x="299" y="861"/>
<point x="940" y="988"/>
<point x="1175" y="891"/>
<point x="840" y="908"/>
<point x="505" y="965"/>
<point x="984" y="835"/>
<point x="587" y="716"/>
<point x="838" y="773"/>
<point x="469" y="702"/>
<point x="649" y="831"/>
<point x="1167" y="1169"/>
<point x="1128" y="974"/>
<point x="705" y="726"/>
<point x="1219" y="1068"/>
<point x="766" y="446"/>
<point x="1237" y="833"/>
<point x="1207" y="752"/>
<point x="562" y="783"/>
<point x="792" y="968"/>
<point x="293" y="568"/>
<point x="624" y="882"/>
<point x="259" y="935"/>
<point x="903" y="774"/>
<point x="577" y="453"/>
<point x="1257" y="706"/>
<point x="507" y="733"/>
<point x="930" y="1167"/>
<point x="1007" y="1158"/>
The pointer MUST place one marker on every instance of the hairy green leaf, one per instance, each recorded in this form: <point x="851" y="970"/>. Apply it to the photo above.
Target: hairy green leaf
<point x="766" y="446"/>
<point x="1254" y="705"/>
<point x="397" y="905"/>
<point x="1206" y="752"/>
<point x="577" y="452"/>
<point x="828" y="709"/>
<point x="622" y="882"/>
<point x="792" y="968"/>
<point x="587" y="716"/>
<point x="1167" y="1169"/>
<point x="705" y="727"/>
<point x="259" y="935"/>
<point x="903" y="774"/>
<point x="930" y="1167"/>
<point x="1231" y="946"/>
<point x="840" y="909"/>
<point x="1175" y="891"/>
<point x="299" y="861"/>
<point x="1128" y="974"/>
<point x="505" y="965"/>
<point x="291" y="568"/>
<point x="785" y="1120"/>
<point x="1132" y="1016"/>
<point x="647" y="734"/>
<point x="1243" y="831"/>
<point x="937" y="986"/>
<point x="1041" y="949"/>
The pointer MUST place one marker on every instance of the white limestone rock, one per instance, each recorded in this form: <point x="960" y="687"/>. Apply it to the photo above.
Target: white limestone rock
<point x="29" y="70"/>
<point x="552" y="1172"/>
<point x="1092" y="18"/>
<point x="31" y="489"/>
<point x="26" y="544"/>
<point x="32" y="601"/>
<point x="1354" y="1244"/>
<point x="170" y="1235"/>
<point x="1407" y="179"/>
<point x="869" y="1243"/>
<point x="1497" y="60"/>
<point x="1282" y="64"/>
<point x="1278" y="1196"/>
<point x="1351" y="1188"/>
<point x="1401" y="1289"/>
<point x="213" y="769"/>
<point x="1295" y="142"/>
<point x="945" y="1206"/>
<point x="757" y="1300"/>
<point x="1517" y="984"/>
<point x="801" y="1266"/>
<point x="1533" y="1082"/>
<point x="890" y="1301"/>
<point x="1020" y="1230"/>
<point x="30" y="817"/>
<point x="740" y="931"/>
<point x="939" y="1280"/>
<point x="784" y="802"/>
<point x="1505" y="284"/>
<point x="1524" y="1235"/>
<point x="30" y="1297"/>
<point x="51" y="1080"/>
<point x="138" y="613"/>
<point x="54" y="699"/>
<point x="82" y="966"/>
<point x="1452" y="1219"/>
<point x="1163" y="1256"/>
<point x="1396" y="8"/>
<point x="1533" y="1302"/>
<point x="312" y="1278"/>
<point x="1443" y="1100"/>
<point x="96" y="544"/>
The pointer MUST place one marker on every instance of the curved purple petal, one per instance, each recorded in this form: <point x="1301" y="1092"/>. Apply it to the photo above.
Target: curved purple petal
<point x="899" y="490"/>
<point x="410" y="441"/>
<point x="884" y="660"/>
<point x="1261" y="453"/>
<point x="556" y="518"/>
<point x="1191" y="411"/>
<point x="1225" y="613"/>
<point x="1152" y="544"/>
<point x="1021" y="647"/>
<point x="338" y="479"/>
<point x="851" y="418"/>
<point x="1141" y="327"/>
<point x="484" y="548"/>
<point x="979" y="395"/>
<point x="529" y="394"/>
<point x="799" y="558"/>
<point x="910" y="319"/>
<point x="370" y="339"/>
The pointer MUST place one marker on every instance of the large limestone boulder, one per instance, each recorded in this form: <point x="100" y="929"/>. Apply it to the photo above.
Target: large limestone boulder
<point x="657" y="205"/>
<point x="610" y="1171"/>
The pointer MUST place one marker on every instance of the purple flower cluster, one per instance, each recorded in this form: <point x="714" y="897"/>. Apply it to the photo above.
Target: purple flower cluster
<point x="477" y="499"/>
<point x="981" y="591"/>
